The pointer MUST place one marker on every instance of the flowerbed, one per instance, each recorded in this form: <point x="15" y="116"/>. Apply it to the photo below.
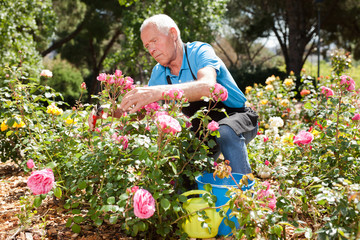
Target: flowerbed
<point x="132" y="168"/>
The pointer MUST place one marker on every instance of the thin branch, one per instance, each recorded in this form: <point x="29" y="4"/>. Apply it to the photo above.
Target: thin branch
<point x="223" y="50"/>
<point x="64" y="40"/>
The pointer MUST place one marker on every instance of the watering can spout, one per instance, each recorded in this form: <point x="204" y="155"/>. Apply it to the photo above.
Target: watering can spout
<point x="192" y="226"/>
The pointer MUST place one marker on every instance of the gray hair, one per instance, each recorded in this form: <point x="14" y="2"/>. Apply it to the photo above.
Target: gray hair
<point x="163" y="23"/>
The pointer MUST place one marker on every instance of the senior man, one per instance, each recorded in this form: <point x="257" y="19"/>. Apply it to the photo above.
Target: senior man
<point x="194" y="68"/>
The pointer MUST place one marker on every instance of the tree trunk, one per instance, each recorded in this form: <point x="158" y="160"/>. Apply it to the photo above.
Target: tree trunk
<point x="298" y="38"/>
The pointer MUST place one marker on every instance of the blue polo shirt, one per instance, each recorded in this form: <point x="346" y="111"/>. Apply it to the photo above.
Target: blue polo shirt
<point x="201" y="55"/>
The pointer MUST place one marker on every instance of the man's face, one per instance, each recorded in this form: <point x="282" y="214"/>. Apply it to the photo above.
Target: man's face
<point x="161" y="47"/>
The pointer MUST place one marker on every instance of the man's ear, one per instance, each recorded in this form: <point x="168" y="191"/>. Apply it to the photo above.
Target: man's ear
<point x="173" y="33"/>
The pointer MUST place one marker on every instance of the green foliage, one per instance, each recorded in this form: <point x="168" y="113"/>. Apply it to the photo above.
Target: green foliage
<point x="66" y="79"/>
<point x="25" y="26"/>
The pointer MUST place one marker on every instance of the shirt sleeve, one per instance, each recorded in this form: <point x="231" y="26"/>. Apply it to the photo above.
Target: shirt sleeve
<point x="206" y="57"/>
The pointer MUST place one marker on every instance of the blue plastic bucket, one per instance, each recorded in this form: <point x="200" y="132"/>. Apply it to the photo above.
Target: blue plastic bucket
<point x="219" y="189"/>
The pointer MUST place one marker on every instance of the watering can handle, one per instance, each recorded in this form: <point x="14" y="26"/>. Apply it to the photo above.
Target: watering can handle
<point x="193" y="192"/>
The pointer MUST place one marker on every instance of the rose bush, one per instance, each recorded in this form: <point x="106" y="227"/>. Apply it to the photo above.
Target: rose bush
<point x="315" y="160"/>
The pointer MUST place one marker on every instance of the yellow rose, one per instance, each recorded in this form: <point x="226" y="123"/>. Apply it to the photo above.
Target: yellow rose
<point x="18" y="125"/>
<point x="248" y="89"/>
<point x="4" y="127"/>
<point x="288" y="82"/>
<point x="269" y="87"/>
<point x="315" y="132"/>
<point x="52" y="109"/>
<point x="288" y="138"/>
<point x="264" y="101"/>
<point x="270" y="80"/>
<point x="266" y="125"/>
<point x="284" y="102"/>
<point x="260" y="94"/>
<point x="69" y="121"/>
<point x="49" y="109"/>
<point x="58" y="111"/>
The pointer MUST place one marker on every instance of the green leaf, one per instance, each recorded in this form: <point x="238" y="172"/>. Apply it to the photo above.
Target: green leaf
<point x="208" y="187"/>
<point x="76" y="211"/>
<point x="98" y="222"/>
<point x="8" y="133"/>
<point x="111" y="200"/>
<point x="308" y="106"/>
<point x="78" y="219"/>
<point x="113" y="219"/>
<point x="51" y="165"/>
<point x="124" y="196"/>
<point x="173" y="166"/>
<point x="57" y="192"/>
<point x="182" y="198"/>
<point x="165" y="204"/>
<point x="68" y="222"/>
<point x="82" y="185"/>
<point x="37" y="201"/>
<point x="76" y="228"/>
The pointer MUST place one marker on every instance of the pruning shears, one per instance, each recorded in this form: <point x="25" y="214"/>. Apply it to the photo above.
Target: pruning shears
<point x="96" y="113"/>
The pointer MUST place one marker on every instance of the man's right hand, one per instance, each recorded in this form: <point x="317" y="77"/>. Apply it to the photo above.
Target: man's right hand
<point x="139" y="97"/>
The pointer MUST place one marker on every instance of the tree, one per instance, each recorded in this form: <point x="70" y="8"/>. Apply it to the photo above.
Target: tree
<point x="25" y="29"/>
<point x="343" y="27"/>
<point x="293" y="22"/>
<point x="106" y="34"/>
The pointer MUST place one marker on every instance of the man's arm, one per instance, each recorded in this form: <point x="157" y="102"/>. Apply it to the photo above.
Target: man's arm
<point x="139" y="97"/>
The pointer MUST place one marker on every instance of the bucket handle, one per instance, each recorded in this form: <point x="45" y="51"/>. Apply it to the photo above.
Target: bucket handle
<point x="193" y="192"/>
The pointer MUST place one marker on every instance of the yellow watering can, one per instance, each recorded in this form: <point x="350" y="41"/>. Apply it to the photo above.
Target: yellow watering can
<point x="192" y="226"/>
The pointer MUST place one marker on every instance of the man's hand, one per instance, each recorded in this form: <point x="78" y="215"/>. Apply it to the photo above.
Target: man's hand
<point x="139" y="97"/>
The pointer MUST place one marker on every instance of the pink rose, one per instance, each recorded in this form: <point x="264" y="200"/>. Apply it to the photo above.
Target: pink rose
<point x="118" y="73"/>
<point x="30" y="163"/>
<point x="356" y="117"/>
<point x="83" y="86"/>
<point x="129" y="83"/>
<point x="102" y="77"/>
<point x="134" y="189"/>
<point x="174" y="93"/>
<point x="41" y="182"/>
<point x="161" y="113"/>
<point x="304" y="138"/>
<point x="144" y="204"/>
<point x="327" y="91"/>
<point x="213" y="126"/>
<point x="219" y="93"/>
<point x="121" y="139"/>
<point x="110" y="80"/>
<point x="348" y="82"/>
<point x="267" y="162"/>
<point x="152" y="107"/>
<point x="266" y="139"/>
<point x="168" y="124"/>
<point x="267" y="196"/>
